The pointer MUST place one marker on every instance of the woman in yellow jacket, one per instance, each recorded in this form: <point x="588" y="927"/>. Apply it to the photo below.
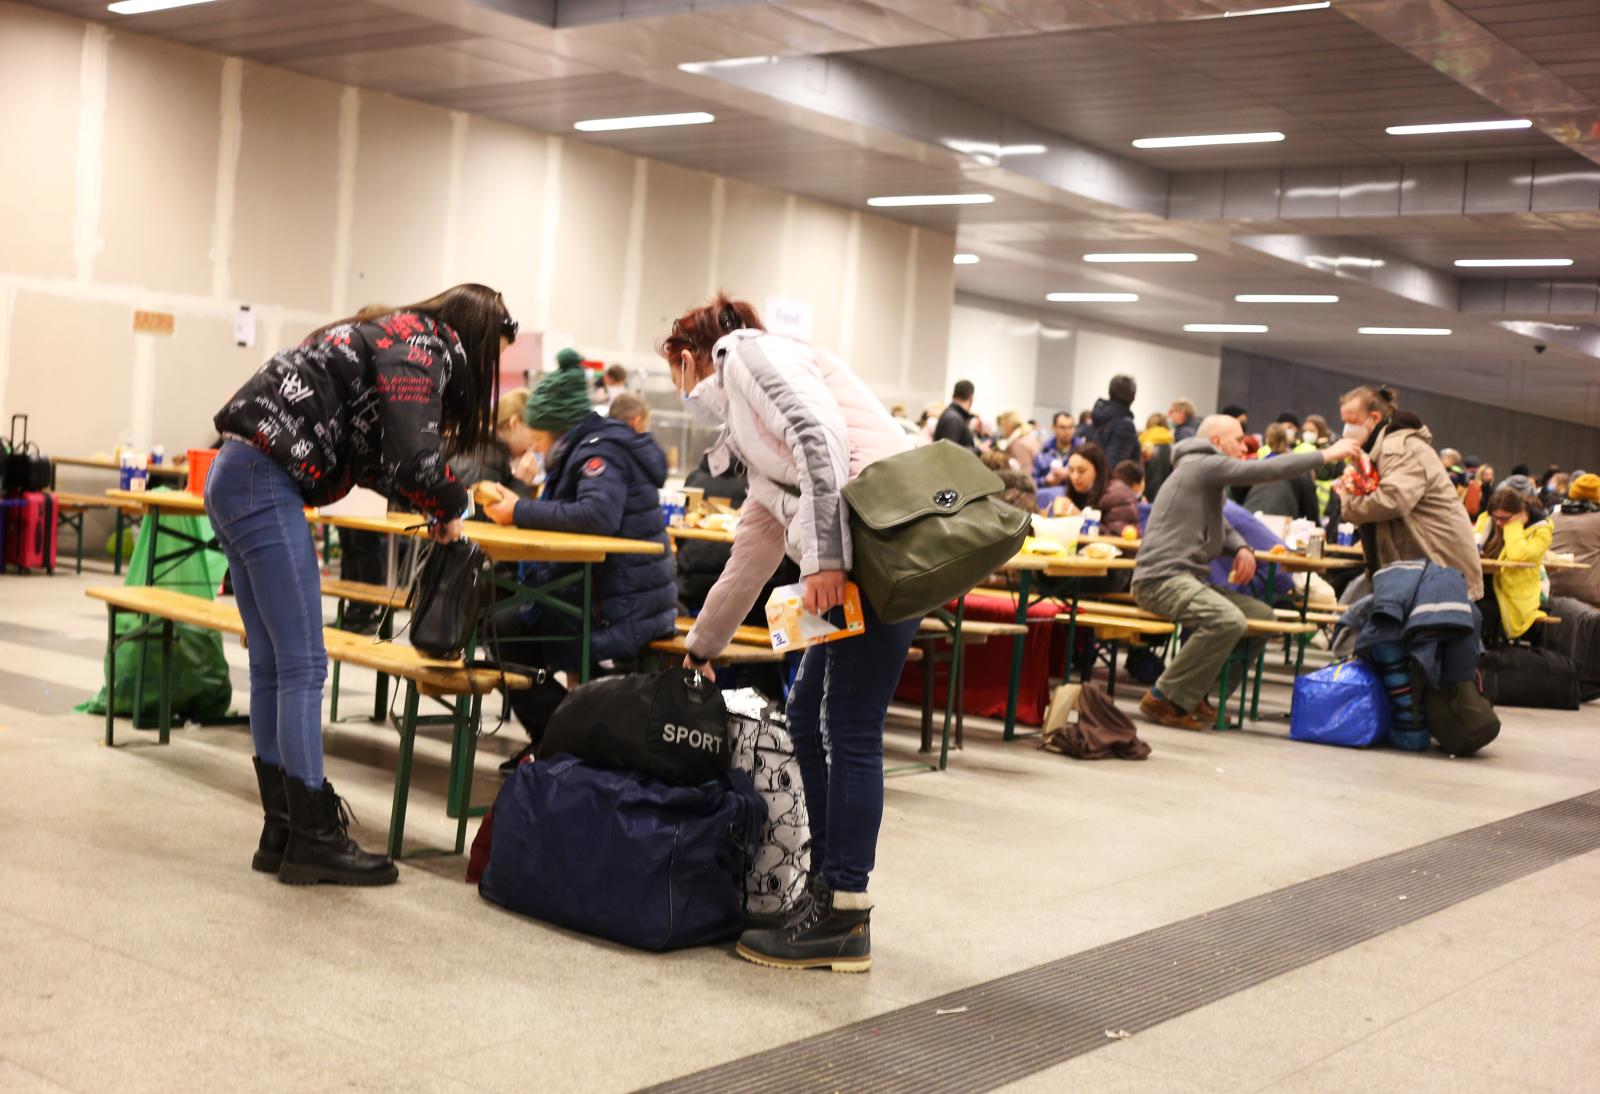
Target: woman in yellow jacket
<point x="1516" y="530"/>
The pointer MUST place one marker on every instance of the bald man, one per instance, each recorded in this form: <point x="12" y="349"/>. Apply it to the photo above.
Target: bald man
<point x="1185" y="533"/>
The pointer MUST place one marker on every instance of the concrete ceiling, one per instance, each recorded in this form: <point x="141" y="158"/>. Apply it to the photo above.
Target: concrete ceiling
<point x="858" y="98"/>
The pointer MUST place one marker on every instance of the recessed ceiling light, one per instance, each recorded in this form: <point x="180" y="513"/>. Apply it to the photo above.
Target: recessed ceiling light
<point x="983" y="149"/>
<point x="1428" y="331"/>
<point x="1225" y="328"/>
<point x="732" y="62"/>
<point x="1456" y="127"/>
<point x="930" y="199"/>
<point x="1278" y="10"/>
<point x="1286" y="298"/>
<point x="644" y="121"/>
<point x="1092" y="297"/>
<point x="965" y="260"/>
<point x="140" y="7"/>
<point x="1489" y="262"/>
<point x="1142" y="256"/>
<point x="1210" y="138"/>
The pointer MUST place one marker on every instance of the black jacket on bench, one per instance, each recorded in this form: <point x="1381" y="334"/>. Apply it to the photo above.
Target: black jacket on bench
<point x="360" y="407"/>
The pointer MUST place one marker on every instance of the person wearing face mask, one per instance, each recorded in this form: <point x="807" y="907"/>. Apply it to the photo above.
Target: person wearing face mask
<point x="1314" y="438"/>
<point x="1413" y="512"/>
<point x="803" y="425"/>
<point x="603" y="479"/>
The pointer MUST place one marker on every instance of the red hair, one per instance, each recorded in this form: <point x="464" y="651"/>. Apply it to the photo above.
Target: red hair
<point x="699" y="329"/>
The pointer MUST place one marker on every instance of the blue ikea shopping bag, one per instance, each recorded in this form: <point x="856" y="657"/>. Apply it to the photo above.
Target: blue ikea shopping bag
<point x="1343" y="704"/>
<point x="622" y="855"/>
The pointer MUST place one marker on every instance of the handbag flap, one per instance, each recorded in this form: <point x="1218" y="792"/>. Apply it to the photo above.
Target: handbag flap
<point x="941" y="479"/>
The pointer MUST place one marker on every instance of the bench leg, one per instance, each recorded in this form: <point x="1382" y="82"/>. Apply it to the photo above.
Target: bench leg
<point x="1223" y="693"/>
<point x="385" y="634"/>
<point x="333" y="702"/>
<point x="1255" y="691"/>
<point x="927" y="694"/>
<point x="111" y="673"/>
<point x="1111" y="671"/>
<point x="402" y="772"/>
<point x="116" y="563"/>
<point x="588" y="617"/>
<point x="1244" y="684"/>
<point x="467" y="756"/>
<point x="462" y="724"/>
<point x="1018" y="645"/>
<point x="164" y="706"/>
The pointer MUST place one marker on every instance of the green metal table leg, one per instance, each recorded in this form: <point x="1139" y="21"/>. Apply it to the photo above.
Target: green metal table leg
<point x="1255" y="690"/>
<point x="954" y="686"/>
<point x="1072" y="635"/>
<point x="116" y="563"/>
<point x="402" y="772"/>
<point x="333" y="702"/>
<point x="461" y="725"/>
<point x="111" y="673"/>
<point x="79" y="527"/>
<point x="1244" y="685"/>
<point x="588" y="618"/>
<point x="153" y="520"/>
<point x="164" y="707"/>
<point x="1223" y="693"/>
<point x="385" y="634"/>
<point x="469" y="751"/>
<point x="1018" y="644"/>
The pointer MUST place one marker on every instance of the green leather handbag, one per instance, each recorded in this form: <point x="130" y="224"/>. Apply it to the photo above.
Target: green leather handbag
<point x="928" y="525"/>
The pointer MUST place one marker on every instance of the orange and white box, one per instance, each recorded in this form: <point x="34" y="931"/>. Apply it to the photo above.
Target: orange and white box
<point x="794" y="628"/>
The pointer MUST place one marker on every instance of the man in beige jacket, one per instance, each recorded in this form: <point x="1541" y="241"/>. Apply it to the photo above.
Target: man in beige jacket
<point x="1414" y="513"/>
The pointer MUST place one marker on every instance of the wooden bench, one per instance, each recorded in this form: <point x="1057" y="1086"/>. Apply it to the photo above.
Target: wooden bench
<point x="379" y="596"/>
<point x="70" y="509"/>
<point x="424" y="676"/>
<point x="1321" y="619"/>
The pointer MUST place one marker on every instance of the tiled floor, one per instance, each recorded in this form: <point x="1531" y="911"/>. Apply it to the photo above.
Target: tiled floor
<point x="138" y="951"/>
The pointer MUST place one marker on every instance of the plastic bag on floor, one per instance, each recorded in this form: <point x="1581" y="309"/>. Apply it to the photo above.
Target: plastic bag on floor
<point x="763" y="750"/>
<point x="1343" y="704"/>
<point x="201" y="689"/>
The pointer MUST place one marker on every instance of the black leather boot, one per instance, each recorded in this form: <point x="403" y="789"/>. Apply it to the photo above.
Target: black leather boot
<point x="320" y="847"/>
<point x="275" y="811"/>
<point x="835" y="933"/>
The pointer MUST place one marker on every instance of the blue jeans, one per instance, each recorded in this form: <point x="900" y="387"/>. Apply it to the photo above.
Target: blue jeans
<point x="258" y="515"/>
<point x="836" y="713"/>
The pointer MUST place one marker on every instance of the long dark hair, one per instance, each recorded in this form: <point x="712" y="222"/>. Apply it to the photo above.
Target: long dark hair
<point x="479" y="317"/>
<point x="1096" y="456"/>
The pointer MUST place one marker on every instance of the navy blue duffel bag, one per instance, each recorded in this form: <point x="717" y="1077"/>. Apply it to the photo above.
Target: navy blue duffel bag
<point x="622" y="855"/>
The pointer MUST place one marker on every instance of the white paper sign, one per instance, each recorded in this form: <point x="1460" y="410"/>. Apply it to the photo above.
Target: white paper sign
<point x="788" y="317"/>
<point x="244" y="326"/>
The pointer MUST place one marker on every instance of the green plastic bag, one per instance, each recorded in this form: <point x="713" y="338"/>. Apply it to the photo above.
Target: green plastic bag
<point x="201" y="690"/>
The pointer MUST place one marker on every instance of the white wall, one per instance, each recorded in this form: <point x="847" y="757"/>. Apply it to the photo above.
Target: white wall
<point x="1164" y="373"/>
<point x="999" y="353"/>
<point x="154" y="176"/>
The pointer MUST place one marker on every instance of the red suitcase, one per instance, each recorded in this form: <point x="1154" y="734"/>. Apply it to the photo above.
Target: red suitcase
<point x="30" y="539"/>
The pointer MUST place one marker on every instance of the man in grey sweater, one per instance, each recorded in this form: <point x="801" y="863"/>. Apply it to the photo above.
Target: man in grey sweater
<point x="1185" y="532"/>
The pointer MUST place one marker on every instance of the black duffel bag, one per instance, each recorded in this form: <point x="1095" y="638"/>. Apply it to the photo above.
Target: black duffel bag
<point x="1522" y="676"/>
<point x="27" y="469"/>
<point x="670" y="724"/>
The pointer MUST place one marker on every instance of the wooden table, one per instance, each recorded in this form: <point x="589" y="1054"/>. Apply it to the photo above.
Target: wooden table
<point x="160" y="470"/>
<point x="1345" y="550"/>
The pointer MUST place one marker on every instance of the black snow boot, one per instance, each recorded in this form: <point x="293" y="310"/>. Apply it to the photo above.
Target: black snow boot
<point x="320" y="847"/>
<point x="835" y="933"/>
<point x="275" y="813"/>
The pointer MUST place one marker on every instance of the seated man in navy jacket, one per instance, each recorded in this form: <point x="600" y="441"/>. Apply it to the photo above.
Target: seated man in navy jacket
<point x="600" y="478"/>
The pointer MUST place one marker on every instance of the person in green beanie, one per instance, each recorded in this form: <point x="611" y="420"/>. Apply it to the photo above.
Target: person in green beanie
<point x="603" y="479"/>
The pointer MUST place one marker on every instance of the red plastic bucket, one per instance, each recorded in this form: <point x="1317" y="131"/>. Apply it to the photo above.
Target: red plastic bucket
<point x="199" y="467"/>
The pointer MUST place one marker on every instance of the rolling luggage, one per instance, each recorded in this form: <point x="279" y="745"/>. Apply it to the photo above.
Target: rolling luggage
<point x="1522" y="676"/>
<point x="624" y="856"/>
<point x="30" y="532"/>
<point x="26" y="468"/>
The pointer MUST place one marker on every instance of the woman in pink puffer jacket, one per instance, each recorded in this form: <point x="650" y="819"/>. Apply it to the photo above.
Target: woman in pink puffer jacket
<point x="804" y="425"/>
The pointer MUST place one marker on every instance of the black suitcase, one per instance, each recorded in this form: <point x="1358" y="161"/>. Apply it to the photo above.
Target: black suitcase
<point x="1522" y="676"/>
<point x="27" y="469"/>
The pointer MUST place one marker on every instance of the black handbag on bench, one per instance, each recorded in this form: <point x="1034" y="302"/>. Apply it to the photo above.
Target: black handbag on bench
<point x="444" y="599"/>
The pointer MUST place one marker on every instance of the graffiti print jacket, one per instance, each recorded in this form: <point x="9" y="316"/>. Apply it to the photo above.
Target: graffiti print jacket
<point x="359" y="407"/>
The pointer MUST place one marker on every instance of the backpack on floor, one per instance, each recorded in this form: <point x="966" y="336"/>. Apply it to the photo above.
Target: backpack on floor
<point x="1521" y="676"/>
<point x="1460" y="718"/>
<point x="1344" y="704"/>
<point x="624" y="856"/>
<point x="763" y="750"/>
<point x="668" y="724"/>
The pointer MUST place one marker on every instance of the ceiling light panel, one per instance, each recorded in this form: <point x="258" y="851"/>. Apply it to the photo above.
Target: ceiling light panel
<point x="1286" y="298"/>
<point x="1492" y="263"/>
<point x="140" y="7"/>
<point x="1281" y="9"/>
<point x="1421" y="332"/>
<point x="965" y="260"/>
<point x="1142" y="256"/>
<point x="1225" y="328"/>
<point x="1456" y="127"/>
<point x="1207" y="139"/>
<point x="908" y="200"/>
<point x="1092" y="297"/>
<point x="643" y="121"/>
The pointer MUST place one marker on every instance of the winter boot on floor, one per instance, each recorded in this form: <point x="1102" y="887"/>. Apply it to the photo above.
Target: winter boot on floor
<point x="275" y="812"/>
<point x="835" y="933"/>
<point x="815" y="888"/>
<point x="320" y="847"/>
